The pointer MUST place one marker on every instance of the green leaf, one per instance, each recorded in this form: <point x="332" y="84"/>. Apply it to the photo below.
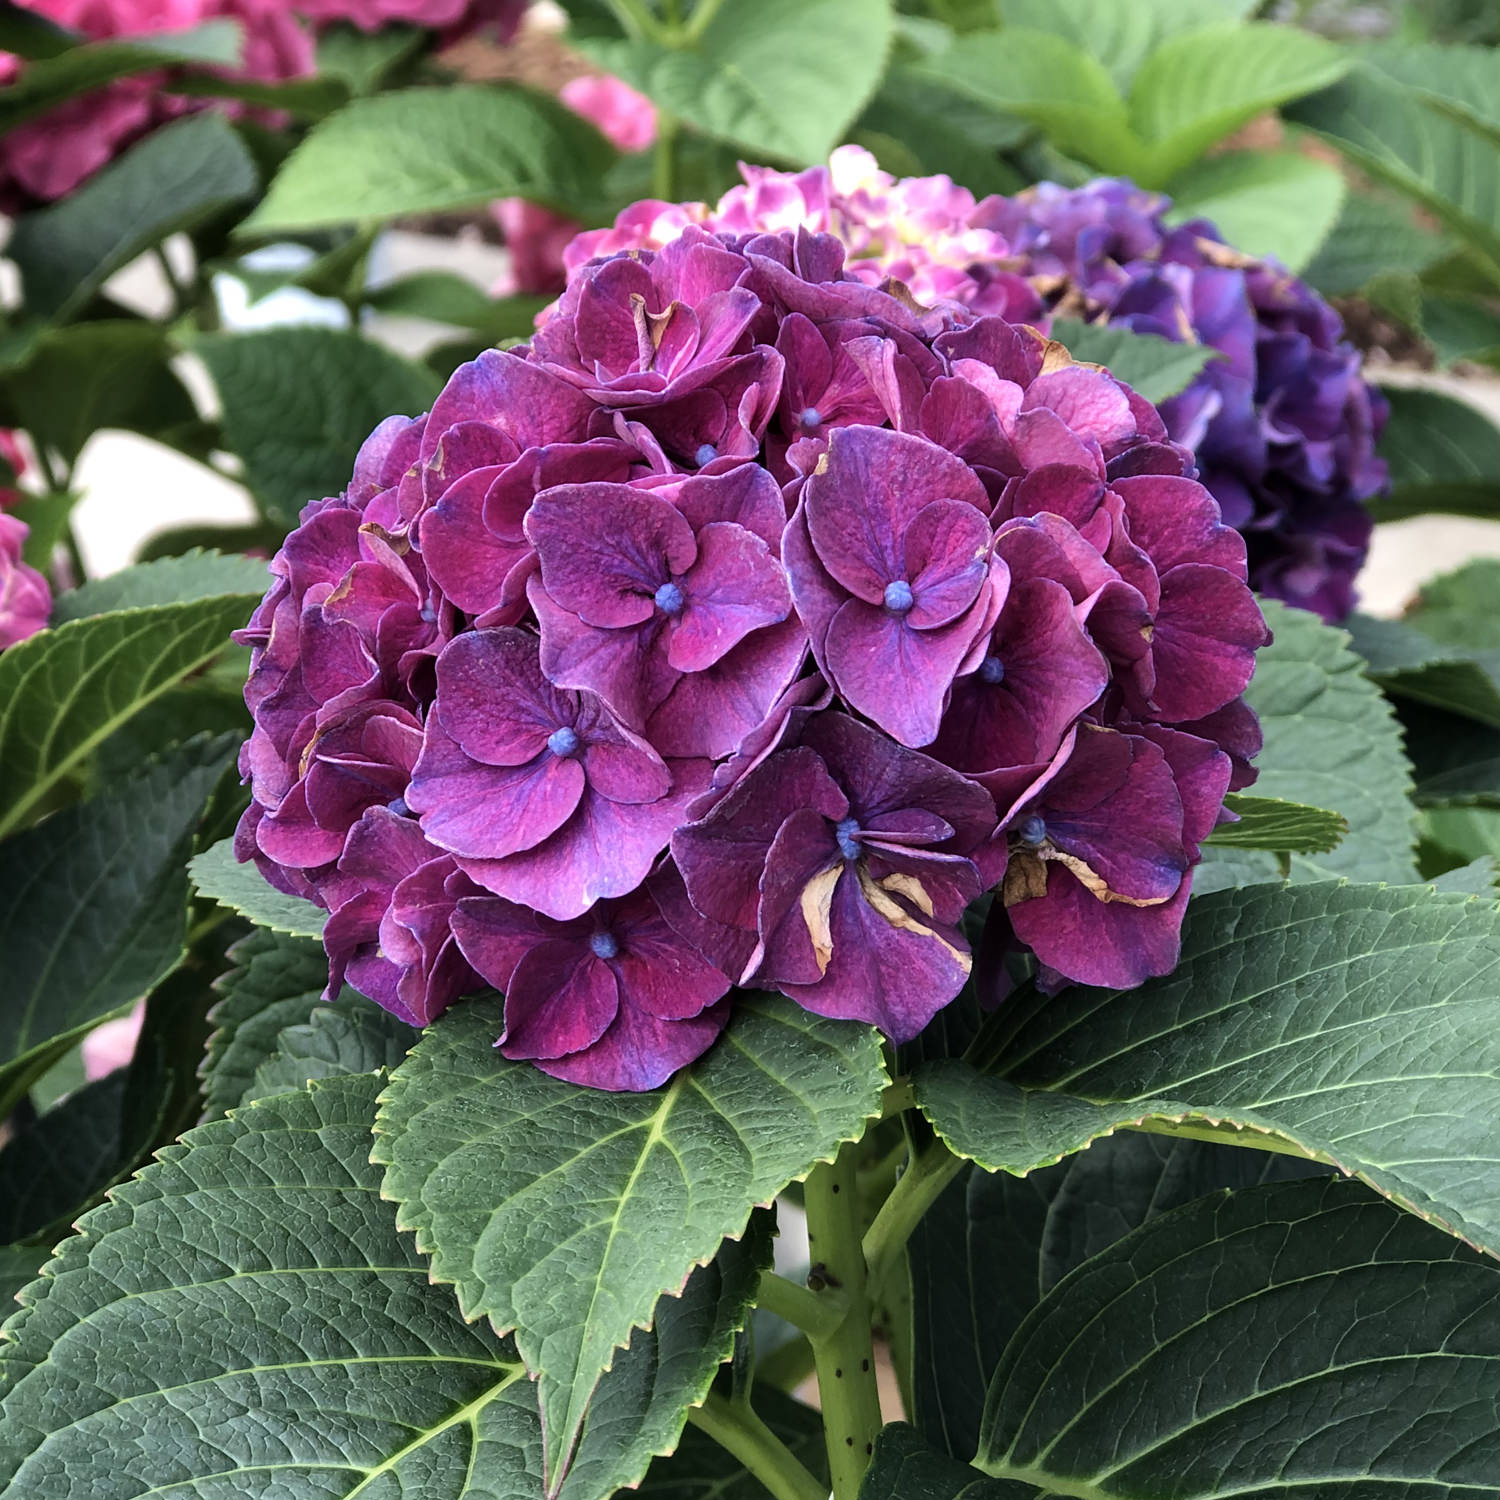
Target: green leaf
<point x="274" y="982"/>
<point x="1410" y="664"/>
<point x="1284" y="827"/>
<point x="699" y="1469"/>
<point x="242" y="888"/>
<point x="93" y="905"/>
<point x="63" y="692"/>
<point x="1444" y="455"/>
<point x="18" y="1267"/>
<point x="1120" y="36"/>
<point x="55" y="1165"/>
<point x="31" y="36"/>
<point x="1200" y="86"/>
<point x="363" y="60"/>
<point x="261" y="1255"/>
<point x="1041" y="78"/>
<point x="1276" y="203"/>
<point x="1153" y="366"/>
<point x="298" y="402"/>
<point x="1331" y="741"/>
<point x="1395" y="136"/>
<point x="430" y="150"/>
<point x="445" y="297"/>
<point x="351" y="1035"/>
<point x="1458" y="608"/>
<point x="62" y="75"/>
<point x="1456" y="760"/>
<point x="563" y="1213"/>
<point x="782" y="78"/>
<point x="993" y="1245"/>
<point x="170" y="580"/>
<point x="1374" y="236"/>
<point x="78" y="379"/>
<point x="177" y="178"/>
<point x="1353" y="1024"/>
<point x="1301" y="1339"/>
<point x="905" y="1468"/>
<point x="1460" y="82"/>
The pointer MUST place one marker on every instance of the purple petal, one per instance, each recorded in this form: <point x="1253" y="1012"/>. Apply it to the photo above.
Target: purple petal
<point x="735" y="586"/>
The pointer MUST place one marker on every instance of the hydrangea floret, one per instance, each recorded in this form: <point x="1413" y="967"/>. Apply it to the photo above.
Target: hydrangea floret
<point x="746" y="628"/>
<point x="1282" y="423"/>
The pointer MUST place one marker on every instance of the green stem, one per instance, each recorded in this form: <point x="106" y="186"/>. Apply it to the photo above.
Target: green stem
<point x="787" y="1365"/>
<point x="700" y="20"/>
<point x="664" y="162"/>
<point x="817" y="1314"/>
<point x="918" y="1188"/>
<point x="844" y="1357"/>
<point x="638" y="22"/>
<point x="737" y="1429"/>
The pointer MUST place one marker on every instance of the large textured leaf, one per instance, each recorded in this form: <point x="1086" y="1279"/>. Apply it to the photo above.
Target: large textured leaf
<point x="1396" y="135"/>
<point x="49" y="1170"/>
<point x="178" y="177"/>
<point x="111" y="373"/>
<point x="1457" y="760"/>
<point x="1043" y="78"/>
<point x="781" y="77"/>
<point x="1285" y="827"/>
<point x="93" y="904"/>
<point x="1444" y="455"/>
<point x="1301" y="1339"/>
<point x="1354" y="1024"/>
<point x="1462" y="82"/>
<point x="563" y="1213"/>
<point x="242" y="888"/>
<point x="261" y="1256"/>
<point x="905" y="1468"/>
<point x="1120" y="36"/>
<point x="1411" y="664"/>
<point x="298" y="402"/>
<point x="1374" y="236"/>
<point x="275" y="982"/>
<point x="995" y="1244"/>
<point x="1156" y="367"/>
<point x="1277" y="203"/>
<point x="430" y="150"/>
<point x="64" y="692"/>
<point x="1199" y="86"/>
<point x="1332" y="742"/>
<point x="18" y="1266"/>
<point x="169" y="580"/>
<point x="349" y="1035"/>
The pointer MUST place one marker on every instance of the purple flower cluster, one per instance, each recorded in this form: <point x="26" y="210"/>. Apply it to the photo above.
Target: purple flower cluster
<point x="744" y="629"/>
<point x="1282" y="424"/>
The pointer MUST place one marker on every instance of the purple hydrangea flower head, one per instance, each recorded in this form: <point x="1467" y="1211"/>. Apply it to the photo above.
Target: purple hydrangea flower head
<point x="745" y="628"/>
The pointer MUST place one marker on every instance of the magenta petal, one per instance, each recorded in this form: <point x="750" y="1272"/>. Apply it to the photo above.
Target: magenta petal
<point x="1091" y="402"/>
<point x="897" y="676"/>
<point x="561" y="999"/>
<point x="464" y="557"/>
<point x="1208" y="629"/>
<point x="663" y="975"/>
<point x="606" y="549"/>
<point x="492" y="697"/>
<point x="896" y="977"/>
<point x="746" y="495"/>
<point x="605" y="849"/>
<point x="1112" y="944"/>
<point x="946" y="559"/>
<point x="1176" y="520"/>
<point x="735" y="586"/>
<point x="489" y="812"/>
<point x="803" y="850"/>
<point x="639" y="1051"/>
<point x="494" y="936"/>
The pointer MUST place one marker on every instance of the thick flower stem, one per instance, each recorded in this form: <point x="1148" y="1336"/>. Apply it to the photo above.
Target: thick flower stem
<point x="917" y="1189"/>
<point x="844" y="1356"/>
<point x="737" y="1429"/>
<point x="664" y="159"/>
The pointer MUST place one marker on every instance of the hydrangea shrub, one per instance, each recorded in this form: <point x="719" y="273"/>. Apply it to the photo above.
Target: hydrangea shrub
<point x="742" y="631"/>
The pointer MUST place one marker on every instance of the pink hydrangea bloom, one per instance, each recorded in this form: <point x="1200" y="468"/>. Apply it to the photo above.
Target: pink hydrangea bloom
<point x="25" y="599"/>
<point x="112" y="1045"/>
<point x="625" y="118"/>
<point x="745" y="628"/>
